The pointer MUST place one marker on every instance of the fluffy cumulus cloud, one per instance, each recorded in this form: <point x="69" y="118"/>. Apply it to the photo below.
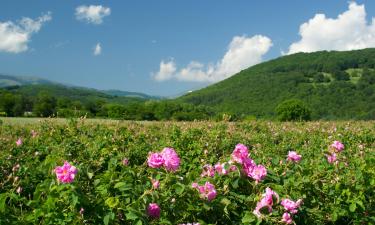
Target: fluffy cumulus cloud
<point x="349" y="31"/>
<point x="92" y="14"/>
<point x="15" y="36"/>
<point x="243" y="51"/>
<point x="98" y="49"/>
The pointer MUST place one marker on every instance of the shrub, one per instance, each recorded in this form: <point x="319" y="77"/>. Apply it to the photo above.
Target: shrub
<point x="293" y="110"/>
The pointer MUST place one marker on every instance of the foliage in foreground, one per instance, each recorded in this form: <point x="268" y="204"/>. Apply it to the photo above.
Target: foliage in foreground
<point x="113" y="183"/>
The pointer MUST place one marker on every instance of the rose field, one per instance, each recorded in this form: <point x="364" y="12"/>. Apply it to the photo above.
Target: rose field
<point x="82" y="172"/>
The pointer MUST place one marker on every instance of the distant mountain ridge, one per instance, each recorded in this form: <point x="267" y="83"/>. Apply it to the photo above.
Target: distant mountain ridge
<point x="8" y="80"/>
<point x="11" y="81"/>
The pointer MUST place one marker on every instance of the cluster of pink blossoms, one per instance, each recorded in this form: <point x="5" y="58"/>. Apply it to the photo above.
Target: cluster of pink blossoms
<point x="266" y="203"/>
<point x="240" y="155"/>
<point x="167" y="158"/>
<point x="207" y="190"/>
<point x="271" y="198"/>
<point x="66" y="173"/>
<point x="219" y="168"/>
<point x="291" y="207"/>
<point x="293" y="156"/>
<point x="336" y="147"/>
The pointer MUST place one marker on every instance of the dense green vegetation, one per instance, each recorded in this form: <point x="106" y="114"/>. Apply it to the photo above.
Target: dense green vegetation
<point x="114" y="184"/>
<point x="334" y="85"/>
<point x="62" y="101"/>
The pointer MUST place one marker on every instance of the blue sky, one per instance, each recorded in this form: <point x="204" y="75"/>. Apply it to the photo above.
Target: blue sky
<point x="168" y="47"/>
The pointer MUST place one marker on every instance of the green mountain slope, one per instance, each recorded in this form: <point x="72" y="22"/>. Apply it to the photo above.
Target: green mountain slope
<point x="335" y="85"/>
<point x="72" y="93"/>
<point x="6" y="81"/>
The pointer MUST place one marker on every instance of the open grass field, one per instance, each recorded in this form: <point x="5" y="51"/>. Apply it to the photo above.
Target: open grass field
<point x="119" y="172"/>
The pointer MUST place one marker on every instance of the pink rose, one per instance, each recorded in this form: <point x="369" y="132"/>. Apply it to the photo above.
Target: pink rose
<point x="155" y="160"/>
<point x="171" y="159"/>
<point x="293" y="156"/>
<point x="239" y="153"/>
<point x="66" y="173"/>
<point x="258" y="173"/>
<point x="153" y="210"/>
<point x="332" y="158"/>
<point x="287" y="218"/>
<point x="208" y="171"/>
<point x="338" y="146"/>
<point x="290" y="205"/>
<point x="19" y="142"/>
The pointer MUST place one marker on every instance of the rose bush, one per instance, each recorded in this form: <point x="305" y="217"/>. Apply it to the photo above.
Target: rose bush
<point x="187" y="173"/>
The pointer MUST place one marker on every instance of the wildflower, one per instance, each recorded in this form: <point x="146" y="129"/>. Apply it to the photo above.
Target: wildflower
<point x="220" y="169"/>
<point x="338" y="146"/>
<point x="290" y="205"/>
<point x="19" y="190"/>
<point x="332" y="158"/>
<point x="155" y="183"/>
<point x="240" y="153"/>
<point x="270" y="196"/>
<point x="153" y="210"/>
<point x="207" y="190"/>
<point x="248" y="165"/>
<point x="208" y="171"/>
<point x="81" y="211"/>
<point x="171" y="159"/>
<point x="19" y="142"/>
<point x="258" y="173"/>
<point x="293" y="156"/>
<point x="155" y="160"/>
<point x="125" y="161"/>
<point x="66" y="173"/>
<point x="262" y="207"/>
<point x="287" y="218"/>
<point x="266" y="203"/>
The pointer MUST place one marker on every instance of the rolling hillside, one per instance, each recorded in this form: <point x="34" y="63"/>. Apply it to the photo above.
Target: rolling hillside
<point x="7" y="80"/>
<point x="335" y="85"/>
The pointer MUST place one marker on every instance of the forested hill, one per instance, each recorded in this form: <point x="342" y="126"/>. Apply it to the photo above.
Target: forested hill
<point x="334" y="85"/>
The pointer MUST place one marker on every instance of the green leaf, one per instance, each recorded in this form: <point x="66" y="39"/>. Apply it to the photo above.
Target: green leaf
<point x="225" y="201"/>
<point x="131" y="216"/>
<point x="106" y="219"/>
<point x="334" y="216"/>
<point x="139" y="222"/>
<point x="90" y="175"/>
<point x="179" y="189"/>
<point x="120" y="185"/>
<point x="352" y="207"/>
<point x="248" y="218"/>
<point x="3" y="198"/>
<point x="112" y="202"/>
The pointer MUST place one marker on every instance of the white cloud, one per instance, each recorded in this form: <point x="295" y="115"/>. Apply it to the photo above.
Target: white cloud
<point x="93" y="13"/>
<point x="166" y="71"/>
<point x="242" y="53"/>
<point x="348" y="31"/>
<point x="97" y="49"/>
<point x="14" y="37"/>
